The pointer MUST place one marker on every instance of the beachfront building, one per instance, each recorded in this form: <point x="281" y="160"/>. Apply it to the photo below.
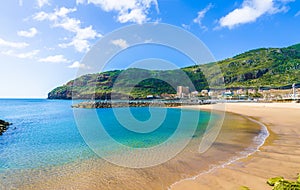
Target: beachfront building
<point x="240" y="91"/>
<point x="228" y="94"/>
<point x="150" y="96"/>
<point x="183" y="92"/>
<point x="204" y="92"/>
<point x="212" y="93"/>
<point x="194" y="94"/>
<point x="281" y="94"/>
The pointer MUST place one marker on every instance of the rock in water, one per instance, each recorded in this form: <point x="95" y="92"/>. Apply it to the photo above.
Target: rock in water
<point x="3" y="126"/>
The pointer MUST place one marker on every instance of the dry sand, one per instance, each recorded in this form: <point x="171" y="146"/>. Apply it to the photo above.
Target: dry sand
<point x="279" y="156"/>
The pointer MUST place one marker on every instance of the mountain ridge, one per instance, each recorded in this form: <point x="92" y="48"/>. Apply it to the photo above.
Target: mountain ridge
<point x="262" y="67"/>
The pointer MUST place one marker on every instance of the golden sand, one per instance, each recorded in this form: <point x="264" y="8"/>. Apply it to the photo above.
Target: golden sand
<point x="280" y="156"/>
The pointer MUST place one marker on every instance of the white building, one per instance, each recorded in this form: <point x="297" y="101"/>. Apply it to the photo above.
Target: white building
<point x="183" y="91"/>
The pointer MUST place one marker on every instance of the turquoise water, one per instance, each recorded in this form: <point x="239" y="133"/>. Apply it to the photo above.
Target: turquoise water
<point x="44" y="132"/>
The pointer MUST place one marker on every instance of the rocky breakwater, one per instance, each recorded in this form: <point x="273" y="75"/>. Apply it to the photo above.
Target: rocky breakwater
<point x="125" y="104"/>
<point x="3" y="126"/>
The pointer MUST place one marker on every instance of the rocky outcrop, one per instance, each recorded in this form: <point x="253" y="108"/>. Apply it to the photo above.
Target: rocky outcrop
<point x="3" y="126"/>
<point x="246" y="76"/>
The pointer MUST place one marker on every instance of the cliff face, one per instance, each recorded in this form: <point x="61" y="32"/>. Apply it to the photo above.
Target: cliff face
<point x="265" y="67"/>
<point x="63" y="92"/>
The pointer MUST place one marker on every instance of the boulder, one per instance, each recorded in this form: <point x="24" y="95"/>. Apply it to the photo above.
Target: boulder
<point x="3" y="126"/>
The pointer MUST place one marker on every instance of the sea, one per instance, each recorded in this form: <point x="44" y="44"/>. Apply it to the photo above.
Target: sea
<point x="45" y="132"/>
<point x="51" y="145"/>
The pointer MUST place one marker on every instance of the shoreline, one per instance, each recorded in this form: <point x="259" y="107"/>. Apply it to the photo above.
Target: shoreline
<point x="264" y="132"/>
<point x="278" y="156"/>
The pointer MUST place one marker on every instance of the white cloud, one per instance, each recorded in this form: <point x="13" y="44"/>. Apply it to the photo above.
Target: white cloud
<point x="78" y="65"/>
<point x="201" y="15"/>
<point x="134" y="11"/>
<point x="121" y="43"/>
<point x="41" y="16"/>
<point x="18" y="45"/>
<point x="60" y="19"/>
<point x="297" y="14"/>
<point x="251" y="10"/>
<point x="20" y="3"/>
<point x="80" y="1"/>
<point x="186" y="26"/>
<point x="54" y="59"/>
<point x="42" y="3"/>
<point x="55" y="16"/>
<point x="136" y="16"/>
<point x="26" y="55"/>
<point x="28" y="34"/>
<point x="80" y="40"/>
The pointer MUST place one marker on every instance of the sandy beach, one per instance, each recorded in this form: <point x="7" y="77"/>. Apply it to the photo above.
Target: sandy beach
<point x="279" y="156"/>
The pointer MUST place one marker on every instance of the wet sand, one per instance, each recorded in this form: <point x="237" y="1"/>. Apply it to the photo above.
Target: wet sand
<point x="235" y="140"/>
<point x="279" y="156"/>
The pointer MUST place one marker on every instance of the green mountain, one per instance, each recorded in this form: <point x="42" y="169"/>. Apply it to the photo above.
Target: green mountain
<point x="265" y="67"/>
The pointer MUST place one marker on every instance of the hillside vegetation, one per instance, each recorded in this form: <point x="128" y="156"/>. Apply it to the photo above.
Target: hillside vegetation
<point x="265" y="67"/>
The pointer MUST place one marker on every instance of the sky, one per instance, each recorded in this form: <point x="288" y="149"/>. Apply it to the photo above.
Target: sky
<point x="42" y="42"/>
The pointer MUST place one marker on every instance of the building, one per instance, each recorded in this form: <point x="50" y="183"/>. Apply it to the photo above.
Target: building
<point x="240" y="91"/>
<point x="183" y="92"/>
<point x="204" y="92"/>
<point x="228" y="94"/>
<point x="150" y="96"/>
<point x="194" y="94"/>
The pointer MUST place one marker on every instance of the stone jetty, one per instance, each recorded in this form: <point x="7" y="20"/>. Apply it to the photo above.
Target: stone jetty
<point x="125" y="104"/>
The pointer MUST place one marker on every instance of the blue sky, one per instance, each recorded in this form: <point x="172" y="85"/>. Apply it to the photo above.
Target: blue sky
<point x="43" y="41"/>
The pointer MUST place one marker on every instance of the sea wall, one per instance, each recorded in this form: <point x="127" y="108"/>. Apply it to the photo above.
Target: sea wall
<point x="125" y="104"/>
